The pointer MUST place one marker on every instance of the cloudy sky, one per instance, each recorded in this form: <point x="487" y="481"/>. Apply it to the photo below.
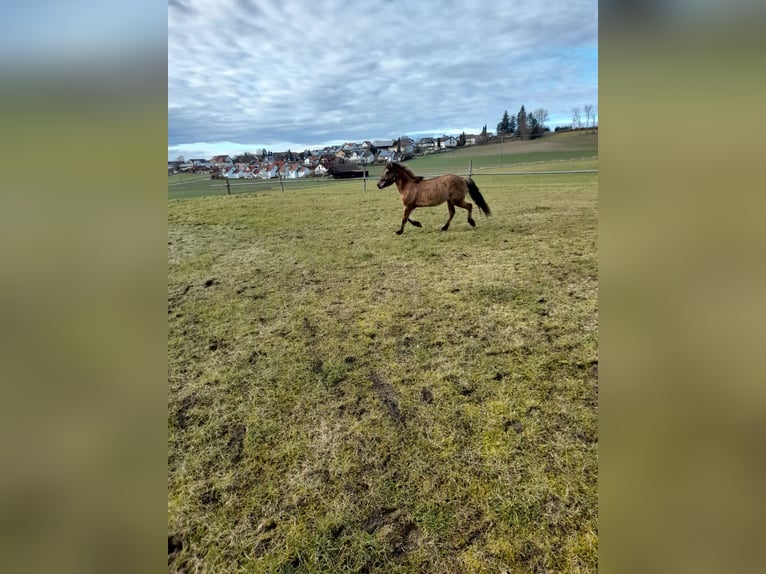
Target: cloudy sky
<point x="249" y="74"/>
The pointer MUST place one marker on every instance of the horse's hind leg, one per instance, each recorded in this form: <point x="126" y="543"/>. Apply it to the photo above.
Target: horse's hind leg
<point x="451" y="207"/>
<point x="415" y="223"/>
<point x="469" y="206"/>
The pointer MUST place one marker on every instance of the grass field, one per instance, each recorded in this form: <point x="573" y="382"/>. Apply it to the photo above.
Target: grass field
<point x="342" y="399"/>
<point x="564" y="149"/>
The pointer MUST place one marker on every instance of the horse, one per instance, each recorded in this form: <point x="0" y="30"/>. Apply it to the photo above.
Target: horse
<point x="415" y="191"/>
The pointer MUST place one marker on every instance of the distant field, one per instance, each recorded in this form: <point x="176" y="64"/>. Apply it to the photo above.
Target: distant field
<point x="512" y="155"/>
<point x="342" y="399"/>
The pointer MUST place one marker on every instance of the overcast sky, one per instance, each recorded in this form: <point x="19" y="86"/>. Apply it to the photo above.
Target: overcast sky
<point x="249" y="74"/>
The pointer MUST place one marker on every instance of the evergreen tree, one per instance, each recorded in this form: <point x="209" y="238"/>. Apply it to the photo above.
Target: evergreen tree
<point x="533" y="127"/>
<point x="521" y="119"/>
<point x="512" y="126"/>
<point x="461" y="140"/>
<point x="483" y="136"/>
<point x="504" y="127"/>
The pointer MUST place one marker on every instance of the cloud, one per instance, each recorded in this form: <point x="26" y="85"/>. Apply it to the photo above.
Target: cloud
<point x="265" y="72"/>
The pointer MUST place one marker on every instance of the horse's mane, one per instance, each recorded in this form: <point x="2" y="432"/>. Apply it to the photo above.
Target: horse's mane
<point x="407" y="170"/>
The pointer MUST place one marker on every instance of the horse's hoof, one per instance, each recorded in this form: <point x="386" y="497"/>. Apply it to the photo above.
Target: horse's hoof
<point x="445" y="228"/>
<point x="472" y="223"/>
<point x="399" y="232"/>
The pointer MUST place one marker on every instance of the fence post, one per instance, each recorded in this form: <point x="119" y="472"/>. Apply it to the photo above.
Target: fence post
<point x="470" y="167"/>
<point x="364" y="179"/>
<point x="228" y="189"/>
<point x="282" y="185"/>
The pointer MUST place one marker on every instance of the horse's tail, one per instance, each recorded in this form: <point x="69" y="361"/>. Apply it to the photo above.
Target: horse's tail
<point x="476" y="195"/>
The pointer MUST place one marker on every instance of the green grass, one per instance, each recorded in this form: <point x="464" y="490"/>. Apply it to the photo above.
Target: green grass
<point x="557" y="150"/>
<point x="342" y="399"/>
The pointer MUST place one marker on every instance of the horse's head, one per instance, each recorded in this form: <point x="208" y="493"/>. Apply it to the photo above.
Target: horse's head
<point x="389" y="175"/>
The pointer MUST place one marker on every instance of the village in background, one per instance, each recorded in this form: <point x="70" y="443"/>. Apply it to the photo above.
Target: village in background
<point x="336" y="160"/>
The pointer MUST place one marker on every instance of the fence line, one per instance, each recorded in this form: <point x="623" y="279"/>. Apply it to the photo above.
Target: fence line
<point x="306" y="183"/>
<point x="188" y="181"/>
<point x="537" y="172"/>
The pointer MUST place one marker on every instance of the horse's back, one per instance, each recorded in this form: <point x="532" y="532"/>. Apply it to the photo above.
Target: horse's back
<point x="434" y="191"/>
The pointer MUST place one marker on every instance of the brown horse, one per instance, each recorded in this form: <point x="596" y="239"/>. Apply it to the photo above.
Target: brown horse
<point x="418" y="192"/>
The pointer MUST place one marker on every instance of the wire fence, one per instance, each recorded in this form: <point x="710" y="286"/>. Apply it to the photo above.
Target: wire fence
<point x="242" y="185"/>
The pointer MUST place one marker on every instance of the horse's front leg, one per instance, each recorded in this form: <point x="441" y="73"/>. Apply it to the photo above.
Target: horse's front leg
<point x="407" y="210"/>
<point x="415" y="223"/>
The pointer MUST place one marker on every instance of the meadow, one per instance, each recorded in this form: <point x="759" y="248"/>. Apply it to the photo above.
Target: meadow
<point x="563" y="149"/>
<point x="342" y="399"/>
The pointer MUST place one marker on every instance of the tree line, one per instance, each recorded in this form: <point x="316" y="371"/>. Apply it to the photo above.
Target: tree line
<point x="524" y="126"/>
<point x="530" y="125"/>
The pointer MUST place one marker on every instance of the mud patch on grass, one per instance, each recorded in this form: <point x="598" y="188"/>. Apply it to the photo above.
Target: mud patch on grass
<point x="395" y="529"/>
<point x="174" y="299"/>
<point x="236" y="442"/>
<point x="513" y="424"/>
<point x="175" y="545"/>
<point x="387" y="395"/>
<point x="377" y="519"/>
<point x="210" y="498"/>
<point x="532" y="556"/>
<point x="182" y="414"/>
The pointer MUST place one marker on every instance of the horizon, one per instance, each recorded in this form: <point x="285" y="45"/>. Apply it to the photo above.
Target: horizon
<point x="208" y="150"/>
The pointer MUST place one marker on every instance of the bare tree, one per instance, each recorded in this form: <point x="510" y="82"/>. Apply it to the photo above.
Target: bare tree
<point x="588" y="114"/>
<point x="541" y="115"/>
<point x="576" y="118"/>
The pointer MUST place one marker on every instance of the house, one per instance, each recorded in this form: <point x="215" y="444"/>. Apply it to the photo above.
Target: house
<point x="320" y="170"/>
<point x="268" y="171"/>
<point x="221" y="161"/>
<point x="362" y="157"/>
<point x="426" y="145"/>
<point x="385" y="155"/>
<point x="293" y="171"/>
<point x="296" y="171"/>
<point x="448" y="142"/>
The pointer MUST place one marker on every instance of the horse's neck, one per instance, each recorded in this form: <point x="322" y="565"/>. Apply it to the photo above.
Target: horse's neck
<point x="405" y="179"/>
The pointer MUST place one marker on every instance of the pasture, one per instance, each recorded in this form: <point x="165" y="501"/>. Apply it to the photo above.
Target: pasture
<point x="562" y="151"/>
<point x="342" y="399"/>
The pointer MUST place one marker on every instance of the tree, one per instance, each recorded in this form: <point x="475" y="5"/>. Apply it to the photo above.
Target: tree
<point x="180" y="158"/>
<point x="521" y="119"/>
<point x="541" y="115"/>
<point x="512" y="126"/>
<point x="245" y="157"/>
<point x="483" y="137"/>
<point x="588" y="114"/>
<point x="504" y="127"/>
<point x="533" y="127"/>
<point x="576" y="118"/>
<point x="536" y="128"/>
<point x="461" y="140"/>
